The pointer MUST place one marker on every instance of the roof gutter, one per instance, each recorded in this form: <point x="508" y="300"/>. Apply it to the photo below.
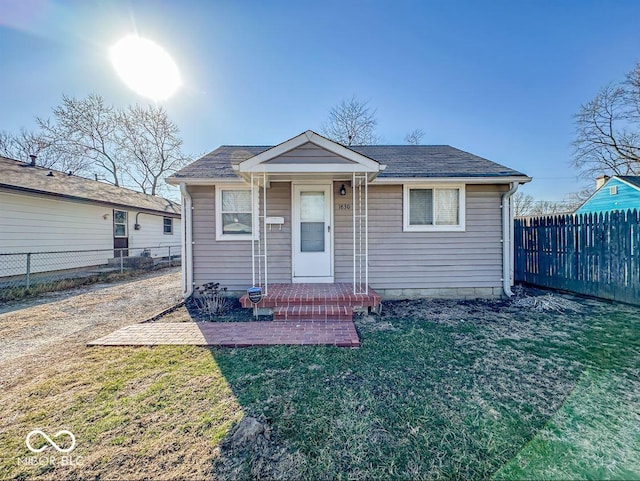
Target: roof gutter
<point x="507" y="240"/>
<point x="187" y="241"/>
<point x="460" y="180"/>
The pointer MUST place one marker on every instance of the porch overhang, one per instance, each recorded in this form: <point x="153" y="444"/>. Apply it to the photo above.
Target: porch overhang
<point x="280" y="164"/>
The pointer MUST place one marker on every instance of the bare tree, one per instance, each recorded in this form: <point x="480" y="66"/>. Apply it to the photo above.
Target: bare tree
<point x="552" y="207"/>
<point x="607" y="137"/>
<point x="523" y="204"/>
<point x="352" y="122"/>
<point x="151" y="141"/>
<point x="8" y="147"/>
<point x="526" y="206"/>
<point x="414" y="137"/>
<point x="579" y="198"/>
<point x="86" y="128"/>
<point x="26" y="143"/>
<point x="135" y="147"/>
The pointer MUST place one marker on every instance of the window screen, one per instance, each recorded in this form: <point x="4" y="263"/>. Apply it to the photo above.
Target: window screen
<point x="236" y="212"/>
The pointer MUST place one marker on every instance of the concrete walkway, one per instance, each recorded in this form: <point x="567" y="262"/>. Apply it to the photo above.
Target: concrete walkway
<point x="234" y="334"/>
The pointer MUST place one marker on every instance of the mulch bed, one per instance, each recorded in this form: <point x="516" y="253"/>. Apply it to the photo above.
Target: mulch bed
<point x="188" y="312"/>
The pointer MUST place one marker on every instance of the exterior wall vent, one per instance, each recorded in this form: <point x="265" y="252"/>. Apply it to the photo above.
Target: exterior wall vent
<point x="613" y="190"/>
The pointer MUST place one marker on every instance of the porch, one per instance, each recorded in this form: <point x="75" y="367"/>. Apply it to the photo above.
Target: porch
<point x="313" y="166"/>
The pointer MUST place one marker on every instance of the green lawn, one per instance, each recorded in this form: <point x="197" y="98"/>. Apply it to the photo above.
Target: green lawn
<point x="594" y="435"/>
<point x="438" y="390"/>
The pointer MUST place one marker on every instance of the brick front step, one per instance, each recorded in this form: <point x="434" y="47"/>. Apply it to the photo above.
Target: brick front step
<point x="340" y="294"/>
<point x="306" y="313"/>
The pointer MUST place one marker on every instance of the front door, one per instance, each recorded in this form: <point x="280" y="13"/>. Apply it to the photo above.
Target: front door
<point x="120" y="234"/>
<point x="312" y="237"/>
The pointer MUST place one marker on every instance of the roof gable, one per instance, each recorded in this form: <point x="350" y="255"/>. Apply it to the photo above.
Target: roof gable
<point x="310" y="154"/>
<point x="625" y="196"/>
<point x="292" y="156"/>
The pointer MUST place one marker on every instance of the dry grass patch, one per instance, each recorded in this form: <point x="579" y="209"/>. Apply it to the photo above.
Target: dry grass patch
<point x="136" y="413"/>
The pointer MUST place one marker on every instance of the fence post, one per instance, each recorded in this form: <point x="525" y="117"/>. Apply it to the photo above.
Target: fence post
<point x="28" y="270"/>
<point x="121" y="262"/>
<point x="170" y="260"/>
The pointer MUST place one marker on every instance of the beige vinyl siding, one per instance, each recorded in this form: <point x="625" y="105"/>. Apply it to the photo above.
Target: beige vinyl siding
<point x="343" y="233"/>
<point x="279" y="240"/>
<point x="425" y="260"/>
<point x="435" y="260"/>
<point x="228" y="261"/>
<point x="309" y="154"/>
<point x="397" y="259"/>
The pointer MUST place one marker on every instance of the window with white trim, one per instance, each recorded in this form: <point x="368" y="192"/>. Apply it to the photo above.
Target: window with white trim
<point x="167" y="225"/>
<point x="234" y="218"/>
<point x="434" y="208"/>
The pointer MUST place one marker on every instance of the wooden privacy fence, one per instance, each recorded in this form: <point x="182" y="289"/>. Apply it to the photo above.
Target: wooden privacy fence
<point x="593" y="254"/>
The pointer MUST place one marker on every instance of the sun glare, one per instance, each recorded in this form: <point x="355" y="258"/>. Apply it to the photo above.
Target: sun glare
<point x="145" y="67"/>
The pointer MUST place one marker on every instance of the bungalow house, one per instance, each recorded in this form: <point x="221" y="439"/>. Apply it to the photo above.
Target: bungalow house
<point x="405" y="220"/>
<point x="617" y="193"/>
<point x="44" y="210"/>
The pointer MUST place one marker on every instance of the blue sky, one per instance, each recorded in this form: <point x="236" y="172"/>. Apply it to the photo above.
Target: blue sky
<point x="501" y="79"/>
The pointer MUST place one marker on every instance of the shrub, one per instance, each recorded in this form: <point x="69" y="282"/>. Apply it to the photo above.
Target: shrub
<point x="211" y="300"/>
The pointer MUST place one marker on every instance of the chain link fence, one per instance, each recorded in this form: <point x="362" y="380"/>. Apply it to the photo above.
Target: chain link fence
<point x="27" y="273"/>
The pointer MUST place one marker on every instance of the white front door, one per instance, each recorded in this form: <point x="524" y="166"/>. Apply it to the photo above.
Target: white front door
<point x="312" y="236"/>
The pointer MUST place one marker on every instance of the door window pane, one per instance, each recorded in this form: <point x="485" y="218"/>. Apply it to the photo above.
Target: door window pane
<point x="312" y="206"/>
<point x="311" y="236"/>
<point x="119" y="223"/>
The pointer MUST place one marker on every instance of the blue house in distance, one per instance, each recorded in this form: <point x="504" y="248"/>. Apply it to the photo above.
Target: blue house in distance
<point x="617" y="193"/>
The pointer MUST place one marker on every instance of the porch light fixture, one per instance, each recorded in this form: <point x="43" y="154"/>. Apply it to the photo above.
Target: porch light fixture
<point x="343" y="190"/>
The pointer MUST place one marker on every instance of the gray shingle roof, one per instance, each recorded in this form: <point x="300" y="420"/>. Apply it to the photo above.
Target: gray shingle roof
<point x="632" y="179"/>
<point x="401" y="161"/>
<point x="18" y="175"/>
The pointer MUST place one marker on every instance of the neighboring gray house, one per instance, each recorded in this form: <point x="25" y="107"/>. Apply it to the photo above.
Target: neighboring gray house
<point x="405" y="220"/>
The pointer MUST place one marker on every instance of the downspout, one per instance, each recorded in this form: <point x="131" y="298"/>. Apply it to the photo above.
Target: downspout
<point x="507" y="239"/>
<point x="187" y="241"/>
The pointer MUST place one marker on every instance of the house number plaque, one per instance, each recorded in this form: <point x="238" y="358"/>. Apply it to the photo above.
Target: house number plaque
<point x="344" y="206"/>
